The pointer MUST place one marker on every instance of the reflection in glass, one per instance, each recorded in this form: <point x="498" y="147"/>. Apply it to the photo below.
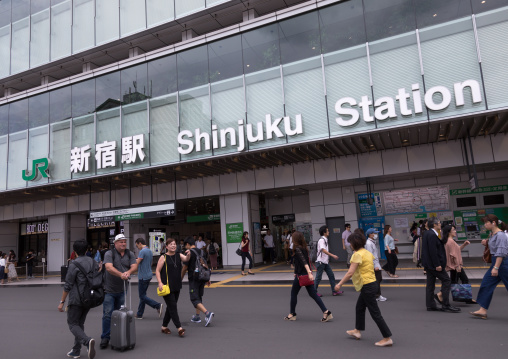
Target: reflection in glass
<point x="39" y="42"/>
<point x="38" y="147"/>
<point x="261" y="48"/>
<point x="162" y="76"/>
<point x="134" y="123"/>
<point x="18" y="116"/>
<point x="158" y="11"/>
<point x="3" y="159"/>
<point x="184" y="7"/>
<point x="483" y="5"/>
<point x="5" y="56"/>
<point x="107" y="21"/>
<point x="163" y="126"/>
<point x="132" y="16"/>
<point x="388" y="18"/>
<point x="83" y="98"/>
<point x="134" y="84"/>
<point x="83" y="134"/>
<point x="17" y="159"/>
<point x="342" y="26"/>
<point x="225" y="58"/>
<point x="61" y="22"/>
<point x="20" y="9"/>
<point x="108" y="130"/>
<point x="60" y="104"/>
<point x="192" y="68"/>
<point x="38" y="110"/>
<point x="107" y="91"/>
<point x="4" y="119"/>
<point x="432" y="12"/>
<point x="299" y="37"/>
<point x="20" y="45"/>
<point x="60" y="150"/>
<point x="83" y="34"/>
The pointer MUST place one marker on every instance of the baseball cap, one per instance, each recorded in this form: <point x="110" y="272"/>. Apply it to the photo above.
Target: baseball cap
<point x="120" y="237"/>
<point x="370" y="231"/>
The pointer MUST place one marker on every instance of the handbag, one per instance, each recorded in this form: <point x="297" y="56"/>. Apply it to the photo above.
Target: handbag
<point x="462" y="292"/>
<point x="396" y="250"/>
<point x="6" y="270"/>
<point x="304" y="280"/>
<point x="238" y="250"/>
<point x="487" y="256"/>
<point x="165" y="288"/>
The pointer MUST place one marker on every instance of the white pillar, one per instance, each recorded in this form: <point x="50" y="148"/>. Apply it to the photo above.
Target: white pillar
<point x="234" y="209"/>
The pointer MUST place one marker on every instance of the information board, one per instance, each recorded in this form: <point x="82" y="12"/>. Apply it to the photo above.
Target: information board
<point x="234" y="232"/>
<point x="369" y="210"/>
<point x="416" y="200"/>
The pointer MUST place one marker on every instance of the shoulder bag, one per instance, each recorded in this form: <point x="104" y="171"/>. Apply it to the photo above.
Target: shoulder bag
<point x="165" y="288"/>
<point x="487" y="256"/>
<point x="304" y="280"/>
<point x="239" y="250"/>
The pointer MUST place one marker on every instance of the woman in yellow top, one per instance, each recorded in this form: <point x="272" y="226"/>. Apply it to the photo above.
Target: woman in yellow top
<point x="364" y="280"/>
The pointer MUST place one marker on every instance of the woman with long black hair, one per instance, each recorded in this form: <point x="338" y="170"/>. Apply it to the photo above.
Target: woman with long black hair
<point x="302" y="268"/>
<point x="246" y="253"/>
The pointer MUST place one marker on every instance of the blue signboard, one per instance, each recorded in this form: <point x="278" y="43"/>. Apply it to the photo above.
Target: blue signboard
<point x="379" y="224"/>
<point x="370" y="210"/>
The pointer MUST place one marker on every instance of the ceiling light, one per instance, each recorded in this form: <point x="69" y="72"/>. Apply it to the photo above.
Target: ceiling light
<point x="434" y="15"/>
<point x="248" y="65"/>
<point x="313" y="47"/>
<point x="483" y="2"/>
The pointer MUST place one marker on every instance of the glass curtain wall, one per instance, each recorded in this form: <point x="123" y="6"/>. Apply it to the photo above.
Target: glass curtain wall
<point x="316" y="65"/>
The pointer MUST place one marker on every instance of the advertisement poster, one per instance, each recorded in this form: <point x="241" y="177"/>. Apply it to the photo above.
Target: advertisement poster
<point x="369" y="210"/>
<point x="156" y="240"/>
<point x="234" y="232"/>
<point x="379" y="224"/>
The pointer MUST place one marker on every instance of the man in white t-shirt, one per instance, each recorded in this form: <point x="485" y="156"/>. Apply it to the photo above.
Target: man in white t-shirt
<point x="269" y="247"/>
<point x="201" y="244"/>
<point x="345" y="243"/>
<point x="323" y="257"/>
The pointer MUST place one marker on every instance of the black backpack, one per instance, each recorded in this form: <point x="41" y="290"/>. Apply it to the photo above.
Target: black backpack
<point x="202" y="272"/>
<point x="93" y="291"/>
<point x="212" y="249"/>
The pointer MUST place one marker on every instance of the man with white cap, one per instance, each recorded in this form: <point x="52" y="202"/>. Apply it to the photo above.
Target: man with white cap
<point x="371" y="246"/>
<point x="120" y="263"/>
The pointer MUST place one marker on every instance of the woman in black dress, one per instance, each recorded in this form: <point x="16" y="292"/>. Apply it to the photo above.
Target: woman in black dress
<point x="169" y="271"/>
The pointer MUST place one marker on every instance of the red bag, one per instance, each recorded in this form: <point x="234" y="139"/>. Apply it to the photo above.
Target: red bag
<point x="304" y="280"/>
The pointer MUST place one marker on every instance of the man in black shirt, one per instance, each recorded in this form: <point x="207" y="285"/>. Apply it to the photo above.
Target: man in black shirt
<point x="196" y="287"/>
<point x="30" y="263"/>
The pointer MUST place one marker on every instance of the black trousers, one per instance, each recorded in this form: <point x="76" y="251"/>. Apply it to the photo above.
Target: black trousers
<point x="367" y="299"/>
<point x="76" y="316"/>
<point x="246" y="255"/>
<point x="432" y="275"/>
<point x="456" y="276"/>
<point x="171" y="309"/>
<point x="379" y="279"/>
<point x="391" y="262"/>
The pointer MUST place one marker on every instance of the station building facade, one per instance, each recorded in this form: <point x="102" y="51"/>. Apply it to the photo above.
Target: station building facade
<point x="256" y="115"/>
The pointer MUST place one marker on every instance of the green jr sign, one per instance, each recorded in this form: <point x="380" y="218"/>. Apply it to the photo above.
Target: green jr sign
<point x="39" y="166"/>
<point x="234" y="232"/>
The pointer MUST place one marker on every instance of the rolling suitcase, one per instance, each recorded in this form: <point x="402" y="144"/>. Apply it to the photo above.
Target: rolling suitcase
<point x="123" y="328"/>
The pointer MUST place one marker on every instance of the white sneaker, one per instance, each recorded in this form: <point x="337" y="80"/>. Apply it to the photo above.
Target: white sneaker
<point x="381" y="299"/>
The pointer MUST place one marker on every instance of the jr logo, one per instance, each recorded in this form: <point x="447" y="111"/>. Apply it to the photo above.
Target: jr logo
<point x="38" y="166"/>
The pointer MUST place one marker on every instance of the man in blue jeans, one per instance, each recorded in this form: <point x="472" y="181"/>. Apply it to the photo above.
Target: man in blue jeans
<point x="120" y="263"/>
<point x="144" y="262"/>
<point x="323" y="257"/>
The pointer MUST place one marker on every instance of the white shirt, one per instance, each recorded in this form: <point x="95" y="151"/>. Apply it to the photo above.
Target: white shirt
<point x="2" y="262"/>
<point x="322" y="244"/>
<point x="200" y="244"/>
<point x="269" y="241"/>
<point x="290" y="237"/>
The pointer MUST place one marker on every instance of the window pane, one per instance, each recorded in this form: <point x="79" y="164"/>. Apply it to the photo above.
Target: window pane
<point x="38" y="110"/>
<point x="107" y="21"/>
<point x="17" y="159"/>
<point x="192" y="68"/>
<point x="299" y="37"/>
<point x="159" y="11"/>
<point x="261" y="49"/>
<point x="60" y="150"/>
<point x="482" y="5"/>
<point x="342" y="26"/>
<point x="195" y="114"/>
<point x="432" y="12"/>
<point x="37" y="6"/>
<point x="107" y="91"/>
<point x="60" y="104"/>
<point x="38" y="147"/>
<point x="4" y="119"/>
<point x="395" y="64"/>
<point x="388" y="18"/>
<point x="163" y="125"/>
<point x="492" y="30"/>
<point x="5" y="50"/>
<point x="109" y="130"/>
<point x="20" y="10"/>
<point x="20" y="45"/>
<point x="134" y="84"/>
<point x="454" y="45"/>
<point x="83" y="134"/>
<point x="184" y="7"/>
<point x="225" y="58"/>
<point x="83" y="31"/>
<point x="135" y="122"/>
<point x="162" y="76"/>
<point x="132" y="16"/>
<point x="39" y="43"/>
<point x="61" y="21"/>
<point x="3" y="162"/>
<point x="228" y="107"/>
<point x="18" y="116"/>
<point x="83" y="98"/>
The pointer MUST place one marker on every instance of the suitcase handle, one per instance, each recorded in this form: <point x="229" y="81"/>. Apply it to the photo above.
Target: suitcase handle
<point x="125" y="294"/>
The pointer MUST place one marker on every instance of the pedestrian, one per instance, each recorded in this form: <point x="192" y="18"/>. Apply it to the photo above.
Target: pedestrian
<point x="213" y="253"/>
<point x="201" y="244"/>
<point x="11" y="265"/>
<point x="454" y="263"/>
<point x="391" y="257"/>
<point x="3" y="267"/>
<point x="169" y="272"/>
<point x="144" y="262"/>
<point x="269" y="246"/>
<point x="76" y="313"/>
<point x="72" y="257"/>
<point x="105" y="248"/>
<point x="30" y="258"/>
<point x="322" y="261"/>
<point x="345" y="243"/>
<point x="364" y="280"/>
<point x="291" y="247"/>
<point x="120" y="263"/>
<point x="370" y="245"/>
<point x="498" y="271"/>
<point x="196" y="286"/>
<point x="434" y="263"/>
<point x="302" y="268"/>
<point x="246" y="253"/>
<point x="285" y="245"/>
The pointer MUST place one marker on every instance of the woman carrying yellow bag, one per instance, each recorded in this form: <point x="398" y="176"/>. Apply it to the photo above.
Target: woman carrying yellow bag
<point x="169" y="277"/>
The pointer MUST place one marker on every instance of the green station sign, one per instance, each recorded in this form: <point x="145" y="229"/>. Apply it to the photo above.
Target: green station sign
<point x="234" y="232"/>
<point x="461" y="191"/>
<point x="204" y="218"/>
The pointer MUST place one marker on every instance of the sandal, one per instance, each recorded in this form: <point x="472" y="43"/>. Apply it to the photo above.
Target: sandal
<point x="328" y="317"/>
<point x="165" y="331"/>
<point x="291" y="316"/>
<point x="181" y="332"/>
